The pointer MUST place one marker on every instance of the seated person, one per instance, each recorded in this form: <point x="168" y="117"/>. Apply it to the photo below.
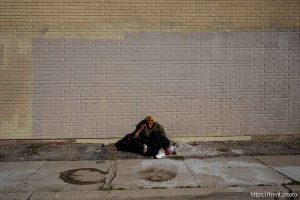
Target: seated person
<point x="149" y="139"/>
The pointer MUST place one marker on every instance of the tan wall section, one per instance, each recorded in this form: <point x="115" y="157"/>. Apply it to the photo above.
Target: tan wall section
<point x="21" y="21"/>
<point x="15" y="89"/>
<point x="114" y="17"/>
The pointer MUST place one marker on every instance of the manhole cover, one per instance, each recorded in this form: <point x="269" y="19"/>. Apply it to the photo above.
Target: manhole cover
<point x="157" y="175"/>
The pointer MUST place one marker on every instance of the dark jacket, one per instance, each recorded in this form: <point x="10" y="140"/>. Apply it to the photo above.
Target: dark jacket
<point x="155" y="138"/>
<point x="146" y="133"/>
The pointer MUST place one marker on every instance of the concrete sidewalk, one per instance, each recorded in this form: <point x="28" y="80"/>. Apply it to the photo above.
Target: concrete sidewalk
<point x="241" y="177"/>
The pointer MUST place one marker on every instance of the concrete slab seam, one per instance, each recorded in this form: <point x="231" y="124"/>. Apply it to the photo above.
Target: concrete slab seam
<point x="198" y="184"/>
<point x="282" y="174"/>
<point x="290" y="191"/>
<point x="30" y="196"/>
<point x="7" y="195"/>
<point x="112" y="176"/>
<point x="32" y="173"/>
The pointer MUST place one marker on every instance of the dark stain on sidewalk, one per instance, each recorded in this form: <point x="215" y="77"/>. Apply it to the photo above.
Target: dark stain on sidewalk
<point x="157" y="175"/>
<point x="81" y="176"/>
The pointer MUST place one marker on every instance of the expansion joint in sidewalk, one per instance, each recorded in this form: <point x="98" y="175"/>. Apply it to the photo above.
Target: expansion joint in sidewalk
<point x="30" y="196"/>
<point x="113" y="174"/>
<point x="32" y="174"/>
<point x="198" y="184"/>
<point x="282" y="174"/>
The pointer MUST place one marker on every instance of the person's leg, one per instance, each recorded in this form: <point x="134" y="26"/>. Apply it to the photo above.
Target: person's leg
<point x="151" y="151"/>
<point x="160" y="140"/>
<point x="165" y="142"/>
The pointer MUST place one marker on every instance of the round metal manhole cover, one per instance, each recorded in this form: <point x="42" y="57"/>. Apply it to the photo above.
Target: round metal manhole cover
<point x="158" y="175"/>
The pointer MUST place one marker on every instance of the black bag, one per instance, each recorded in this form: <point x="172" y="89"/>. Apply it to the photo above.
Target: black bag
<point x="125" y="143"/>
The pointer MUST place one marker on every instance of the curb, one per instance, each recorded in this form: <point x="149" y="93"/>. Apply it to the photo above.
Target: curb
<point x="174" y="193"/>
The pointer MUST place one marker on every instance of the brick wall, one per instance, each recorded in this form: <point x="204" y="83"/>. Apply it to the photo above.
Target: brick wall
<point x="93" y="69"/>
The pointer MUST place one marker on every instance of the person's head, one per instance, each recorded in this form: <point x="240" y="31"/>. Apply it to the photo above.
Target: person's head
<point x="150" y="121"/>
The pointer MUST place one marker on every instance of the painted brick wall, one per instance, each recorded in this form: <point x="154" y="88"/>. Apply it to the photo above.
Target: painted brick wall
<point x="93" y="69"/>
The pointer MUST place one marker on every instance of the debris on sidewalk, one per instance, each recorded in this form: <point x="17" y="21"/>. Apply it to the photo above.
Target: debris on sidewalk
<point x="75" y="151"/>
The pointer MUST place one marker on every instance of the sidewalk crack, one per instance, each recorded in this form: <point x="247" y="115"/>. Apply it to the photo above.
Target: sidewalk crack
<point x="29" y="196"/>
<point x="282" y="174"/>
<point x="196" y="181"/>
<point x="112" y="176"/>
<point x="32" y="174"/>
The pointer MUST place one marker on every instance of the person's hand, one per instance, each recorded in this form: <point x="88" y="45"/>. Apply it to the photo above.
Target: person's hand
<point x="136" y="133"/>
<point x="143" y="126"/>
